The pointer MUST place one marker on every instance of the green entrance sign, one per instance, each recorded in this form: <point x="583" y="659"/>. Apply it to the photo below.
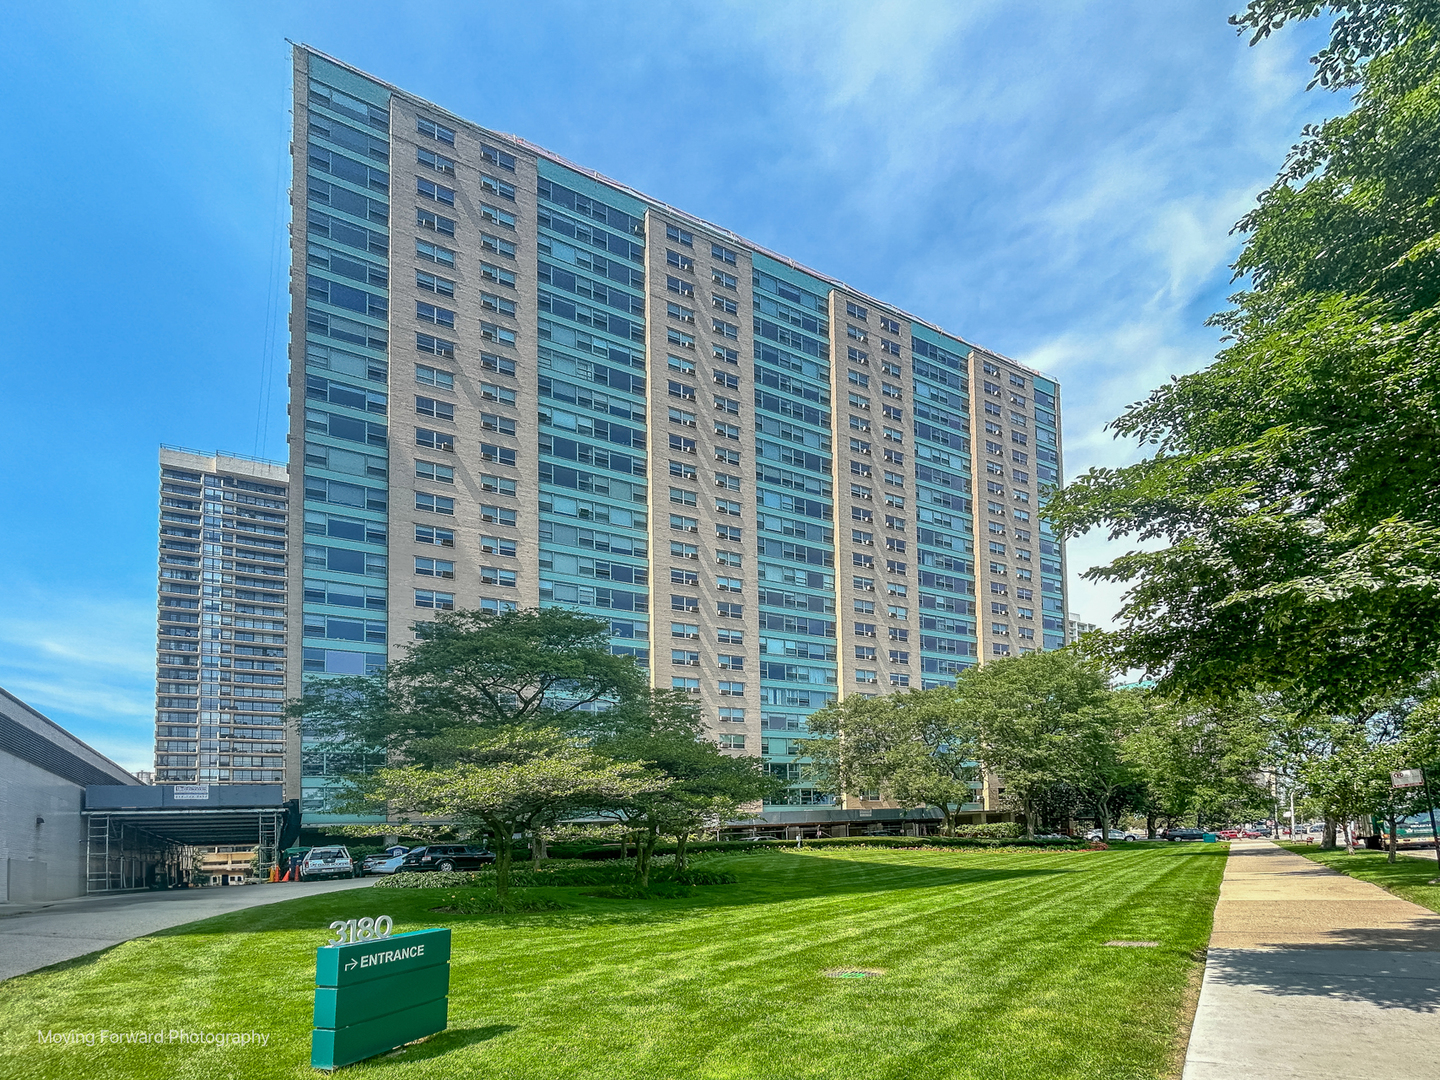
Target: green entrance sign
<point x="372" y="996"/>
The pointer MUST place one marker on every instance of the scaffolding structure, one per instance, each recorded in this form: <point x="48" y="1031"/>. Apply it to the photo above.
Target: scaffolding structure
<point x="145" y="849"/>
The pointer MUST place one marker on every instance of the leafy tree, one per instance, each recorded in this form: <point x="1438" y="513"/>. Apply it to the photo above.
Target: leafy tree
<point x="473" y="671"/>
<point x="512" y="781"/>
<point x="700" y="783"/>
<point x="912" y="746"/>
<point x="1028" y="715"/>
<point x="1294" y="485"/>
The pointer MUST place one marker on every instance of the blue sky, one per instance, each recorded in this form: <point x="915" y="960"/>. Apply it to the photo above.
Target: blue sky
<point x="1054" y="180"/>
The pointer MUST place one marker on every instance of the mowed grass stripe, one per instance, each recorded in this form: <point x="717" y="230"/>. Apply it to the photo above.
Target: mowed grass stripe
<point x="994" y="963"/>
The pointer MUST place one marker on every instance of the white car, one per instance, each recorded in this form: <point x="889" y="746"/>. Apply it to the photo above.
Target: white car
<point x="327" y="862"/>
<point x="1115" y="834"/>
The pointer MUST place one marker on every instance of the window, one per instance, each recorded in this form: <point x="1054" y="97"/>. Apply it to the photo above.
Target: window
<point x="434" y="253"/>
<point x="887" y="323"/>
<point x="503" y="394"/>
<point x="683" y="551"/>
<point x="432" y="283"/>
<point x="498" y="158"/>
<point x="682" y="416"/>
<point x="727" y="431"/>
<point x="1000" y="648"/>
<point x="727" y="481"/>
<point x="425" y="219"/>
<point x="729" y="558"/>
<point x="501" y="305"/>
<point x="430" y="376"/>
<point x="684" y="658"/>
<point x="726" y="379"/>
<point x="727" y="329"/>
<point x="896" y="611"/>
<point x="724" y="254"/>
<point x="677" y="285"/>
<point x="496" y="216"/>
<point x="432" y="314"/>
<point x="504" y="425"/>
<point x="428" y="189"/>
<point x="728" y="662"/>
<point x="729" y="457"/>
<point x="493" y="575"/>
<point x="496" y="186"/>
<point x="729" y="405"/>
<point x="501" y="455"/>
<point x="425" y="598"/>
<point x="731" y="741"/>
<point x="681" y="365"/>
<point x="497" y="245"/>
<point x="677" y="311"/>
<point x="856" y="356"/>
<point x="439" y="162"/>
<point x="724" y="303"/>
<point x="498" y="274"/>
<point x="729" y="584"/>
<point x="679" y="235"/>
<point x="441" y="568"/>
<point x="865" y="676"/>
<point x="679" y="338"/>
<point x="867" y="561"/>
<point x="683" y="469"/>
<point x="435" y="440"/>
<point x="679" y="260"/>
<point x="864" y="584"/>
<point x="429" y="470"/>
<point x="863" y="629"/>
<point x="680" y="495"/>
<point x="721" y="278"/>
<point x="730" y="611"/>
<point x="864" y="607"/>
<point x="890" y="369"/>
<point x="441" y="410"/>
<point x="732" y="689"/>
<point x="688" y="631"/>
<point x="684" y="603"/>
<point x="684" y="524"/>
<point x="429" y="534"/>
<point x="434" y="130"/>
<point x="859" y="536"/>
<point x="898" y="656"/>
<point x="497" y="515"/>
<point x="434" y="504"/>
<point x="899" y="679"/>
<point x="861" y="513"/>
<point x="497" y="545"/>
<point x="727" y="636"/>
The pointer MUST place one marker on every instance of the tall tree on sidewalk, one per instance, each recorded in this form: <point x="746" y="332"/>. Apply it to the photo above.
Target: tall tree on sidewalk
<point x="1294" y="486"/>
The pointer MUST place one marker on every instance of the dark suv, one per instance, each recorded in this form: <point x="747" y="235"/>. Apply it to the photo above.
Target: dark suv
<point x="447" y="857"/>
<point x="1184" y="834"/>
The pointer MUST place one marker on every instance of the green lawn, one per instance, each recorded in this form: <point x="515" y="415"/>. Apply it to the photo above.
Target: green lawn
<point x="1408" y="878"/>
<point x="994" y="967"/>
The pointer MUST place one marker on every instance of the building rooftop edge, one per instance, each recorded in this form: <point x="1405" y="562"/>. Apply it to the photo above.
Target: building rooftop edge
<point x="661" y="204"/>
<point x="216" y="456"/>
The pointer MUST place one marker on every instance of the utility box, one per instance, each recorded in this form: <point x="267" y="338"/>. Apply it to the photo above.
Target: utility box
<point x="372" y="996"/>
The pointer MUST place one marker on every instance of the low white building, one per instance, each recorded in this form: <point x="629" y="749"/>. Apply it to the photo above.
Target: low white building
<point x="43" y="774"/>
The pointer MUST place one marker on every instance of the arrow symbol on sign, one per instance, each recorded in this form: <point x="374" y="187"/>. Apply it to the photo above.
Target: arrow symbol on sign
<point x="351" y="964"/>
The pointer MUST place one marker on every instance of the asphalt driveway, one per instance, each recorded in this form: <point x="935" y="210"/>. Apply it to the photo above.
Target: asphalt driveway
<point x="33" y="936"/>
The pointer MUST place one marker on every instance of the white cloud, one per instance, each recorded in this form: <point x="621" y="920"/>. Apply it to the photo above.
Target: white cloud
<point x="87" y="664"/>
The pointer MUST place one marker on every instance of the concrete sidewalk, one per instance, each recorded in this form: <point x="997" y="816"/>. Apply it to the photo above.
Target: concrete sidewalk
<point x="37" y="935"/>
<point x="1314" y="974"/>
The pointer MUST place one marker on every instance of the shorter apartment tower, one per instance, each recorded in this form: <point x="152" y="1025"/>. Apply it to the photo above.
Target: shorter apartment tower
<point x="221" y="652"/>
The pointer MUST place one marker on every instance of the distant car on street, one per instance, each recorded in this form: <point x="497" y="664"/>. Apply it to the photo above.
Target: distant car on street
<point x="446" y="857"/>
<point x="1115" y="834"/>
<point x="328" y="862"/>
<point x="1182" y="834"/>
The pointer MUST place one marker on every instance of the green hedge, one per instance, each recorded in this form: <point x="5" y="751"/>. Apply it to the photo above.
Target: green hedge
<point x="701" y="848"/>
<point x="933" y="842"/>
<point x="556" y="873"/>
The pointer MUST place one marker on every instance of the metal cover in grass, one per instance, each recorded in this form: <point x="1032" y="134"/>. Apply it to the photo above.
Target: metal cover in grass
<point x="1132" y="944"/>
<point x="853" y="973"/>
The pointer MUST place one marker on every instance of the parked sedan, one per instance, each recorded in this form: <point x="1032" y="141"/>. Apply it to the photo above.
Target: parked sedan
<point x="327" y="862"/>
<point x="446" y="857"/>
<point x="385" y="862"/>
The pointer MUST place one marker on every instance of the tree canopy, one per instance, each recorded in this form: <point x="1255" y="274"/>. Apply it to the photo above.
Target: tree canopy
<point x="1294" y="485"/>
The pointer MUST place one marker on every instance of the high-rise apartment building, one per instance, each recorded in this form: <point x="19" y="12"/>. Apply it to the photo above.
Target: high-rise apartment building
<point x="525" y="384"/>
<point x="221" y="652"/>
<point x="1076" y="628"/>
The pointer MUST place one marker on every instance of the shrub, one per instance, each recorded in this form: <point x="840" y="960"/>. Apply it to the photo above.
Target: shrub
<point x="557" y="873"/>
<point x="934" y="842"/>
<point x="488" y="903"/>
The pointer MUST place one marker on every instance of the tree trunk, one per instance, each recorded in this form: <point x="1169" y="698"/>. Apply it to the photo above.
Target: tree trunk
<point x="680" y="839"/>
<point x="504" y="849"/>
<point x="1327" y="838"/>
<point x="644" y="849"/>
<point x="1390" y="847"/>
<point x="537" y="849"/>
<point x="1102" y="815"/>
<point x="1150" y="825"/>
<point x="1029" y="810"/>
